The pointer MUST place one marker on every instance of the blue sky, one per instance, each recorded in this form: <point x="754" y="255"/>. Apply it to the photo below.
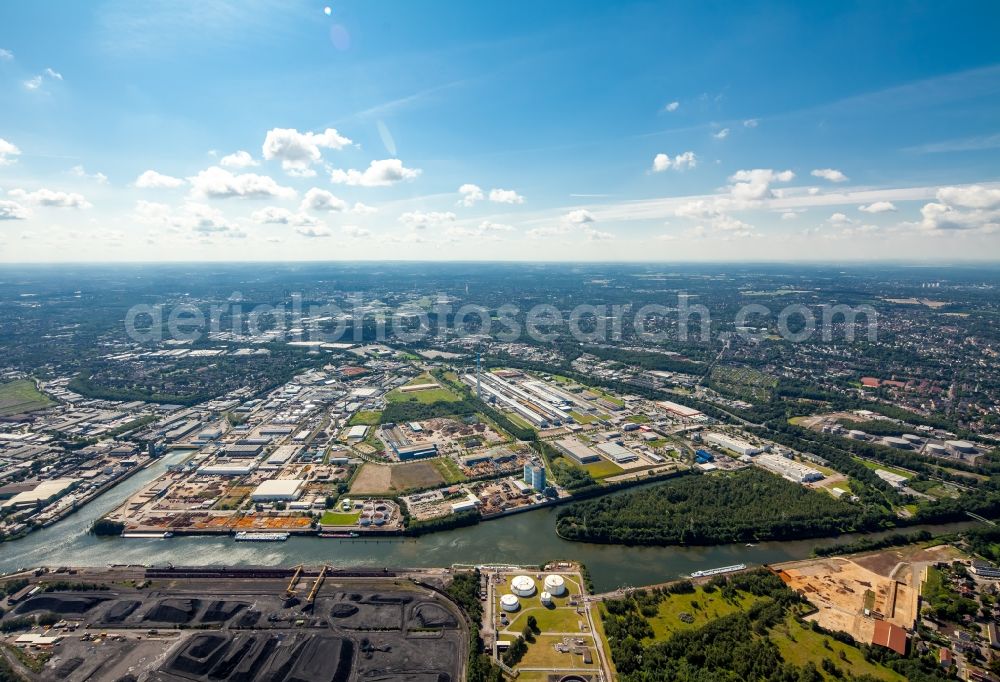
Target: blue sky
<point x="578" y="130"/>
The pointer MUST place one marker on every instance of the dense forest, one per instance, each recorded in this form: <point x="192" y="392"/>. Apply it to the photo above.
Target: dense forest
<point x="699" y="510"/>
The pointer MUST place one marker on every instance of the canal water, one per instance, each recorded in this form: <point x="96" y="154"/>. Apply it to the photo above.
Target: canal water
<point x="527" y="538"/>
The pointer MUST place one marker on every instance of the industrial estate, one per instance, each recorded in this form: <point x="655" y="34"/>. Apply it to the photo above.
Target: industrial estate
<point x="258" y="503"/>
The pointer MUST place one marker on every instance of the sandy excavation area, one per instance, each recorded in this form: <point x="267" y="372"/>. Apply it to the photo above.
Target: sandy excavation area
<point x="843" y="590"/>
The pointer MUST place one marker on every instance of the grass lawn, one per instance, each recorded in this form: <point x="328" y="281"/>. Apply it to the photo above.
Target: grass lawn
<point x="332" y="518"/>
<point x="800" y="645"/>
<point x="542" y="654"/>
<point x="638" y="419"/>
<point x="603" y="469"/>
<point x="428" y="396"/>
<point x="518" y="419"/>
<point x="556" y="619"/>
<point x="21" y="396"/>
<point x="701" y="605"/>
<point x="449" y="470"/>
<point x="873" y="466"/>
<point x="365" y="417"/>
<point x="582" y="418"/>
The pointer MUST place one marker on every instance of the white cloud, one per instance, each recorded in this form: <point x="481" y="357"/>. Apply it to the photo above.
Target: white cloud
<point x="939" y="218"/>
<point x="198" y="219"/>
<point x="240" y="159"/>
<point x="35" y="83"/>
<point x="672" y="106"/>
<point x="594" y="235"/>
<point x="831" y="174"/>
<point x="317" y="199"/>
<point x="579" y="217"/>
<point x="419" y="220"/>
<point x="80" y="172"/>
<point x="840" y="219"/>
<point x="380" y="173"/>
<point x="722" y="134"/>
<point x="662" y="162"/>
<point x="273" y="215"/>
<point x="8" y="150"/>
<point x="313" y="232"/>
<point x="215" y="182"/>
<point x="355" y="232"/>
<point x="470" y="194"/>
<point x="11" y="210"/>
<point x="755" y="184"/>
<point x="363" y="209"/>
<point x="51" y="198"/>
<point x="6" y="55"/>
<point x="789" y="215"/>
<point x="485" y="230"/>
<point x="972" y="196"/>
<point x="710" y="213"/>
<point x="505" y="196"/>
<point x="153" y="180"/>
<point x="877" y="207"/>
<point x="751" y="123"/>
<point x="299" y="151"/>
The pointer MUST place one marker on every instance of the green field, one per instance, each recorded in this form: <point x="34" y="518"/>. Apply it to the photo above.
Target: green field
<point x="332" y="518"/>
<point x="638" y="419"/>
<point x="800" y="645"/>
<point x="428" y="396"/>
<point x="603" y="469"/>
<point x="583" y="418"/>
<point x="366" y="417"/>
<point x="449" y="470"/>
<point x="875" y="465"/>
<point x="21" y="396"/>
<point x="702" y="606"/>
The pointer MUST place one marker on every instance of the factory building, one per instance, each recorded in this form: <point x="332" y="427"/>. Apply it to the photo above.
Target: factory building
<point x="356" y="434"/>
<point x="226" y="469"/>
<point x="242" y="449"/>
<point x="42" y="493"/>
<point x="895" y="480"/>
<point x="577" y="451"/>
<point x="679" y="411"/>
<point x="534" y="475"/>
<point x="283" y="490"/>
<point x="414" y="450"/>
<point x="789" y="469"/>
<point x="617" y="453"/>
<point x="740" y="447"/>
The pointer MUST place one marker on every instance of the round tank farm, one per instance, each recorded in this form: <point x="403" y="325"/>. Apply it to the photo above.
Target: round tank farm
<point x="545" y="598"/>
<point x="555" y="585"/>
<point x="522" y="586"/>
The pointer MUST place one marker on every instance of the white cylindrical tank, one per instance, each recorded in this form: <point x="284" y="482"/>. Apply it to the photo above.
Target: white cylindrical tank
<point x="961" y="445"/>
<point x="555" y="585"/>
<point x="522" y="586"/>
<point x="509" y="602"/>
<point x="935" y="449"/>
<point x="546" y="599"/>
<point x="913" y="438"/>
<point x="857" y="435"/>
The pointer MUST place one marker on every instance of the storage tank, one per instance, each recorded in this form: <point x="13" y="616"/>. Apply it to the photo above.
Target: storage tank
<point x="509" y="602"/>
<point x="960" y="445"/>
<point x="365" y="520"/>
<point x="897" y="443"/>
<point x="522" y="586"/>
<point x="912" y="438"/>
<point x="379" y="519"/>
<point x="857" y="435"/>
<point x="546" y="599"/>
<point x="555" y="585"/>
<point x="936" y="449"/>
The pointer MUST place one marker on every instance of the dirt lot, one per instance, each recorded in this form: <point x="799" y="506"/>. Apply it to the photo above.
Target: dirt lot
<point x="837" y="587"/>
<point x="379" y="479"/>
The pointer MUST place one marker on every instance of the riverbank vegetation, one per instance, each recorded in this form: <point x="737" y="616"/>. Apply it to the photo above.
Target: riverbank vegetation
<point x="745" y="506"/>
